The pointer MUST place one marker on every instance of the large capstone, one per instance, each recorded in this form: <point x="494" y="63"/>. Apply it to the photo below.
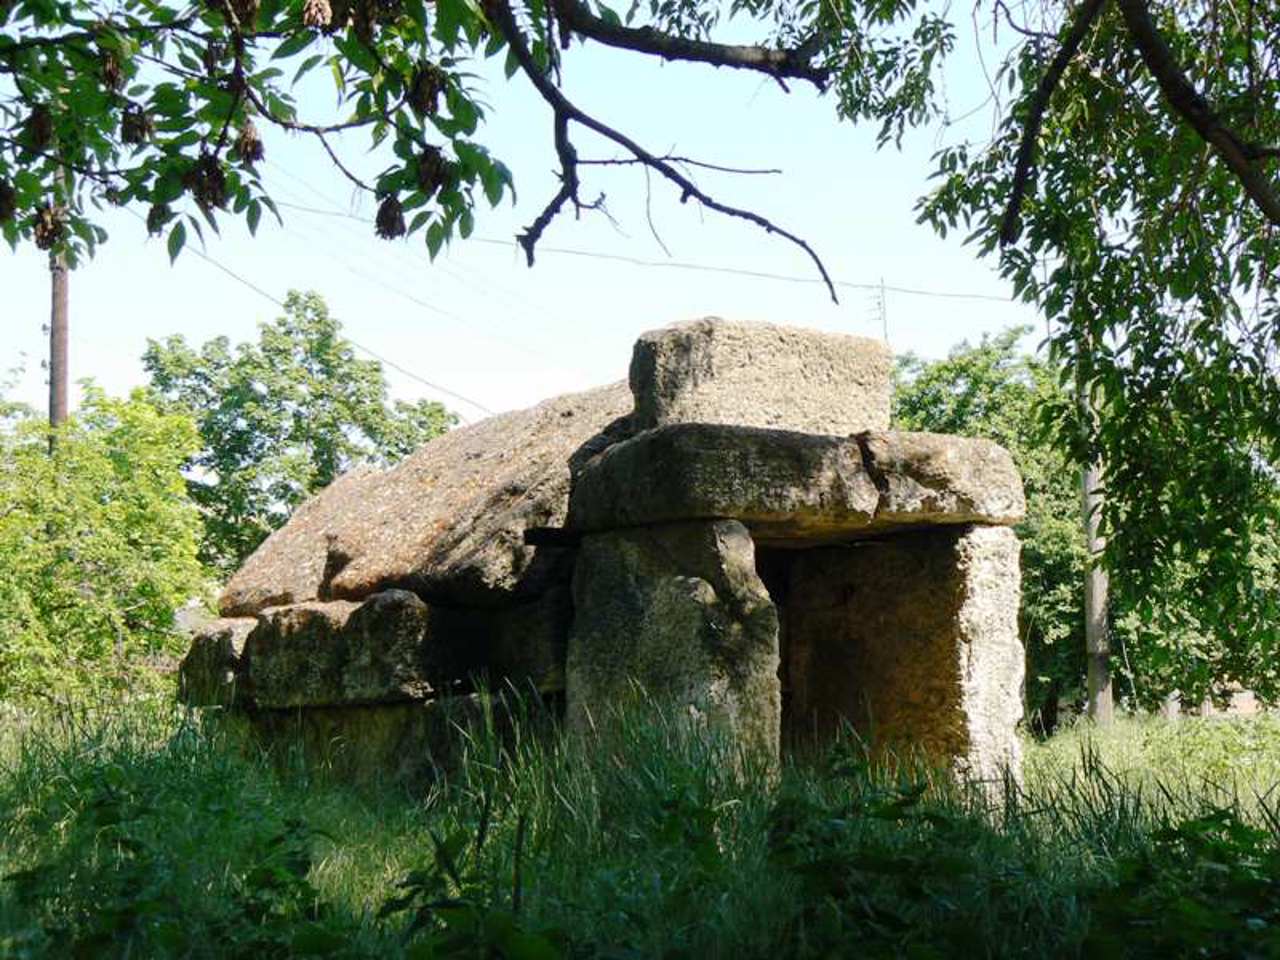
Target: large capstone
<point x="760" y="375"/>
<point x="913" y="639"/>
<point x="447" y="523"/>
<point x="680" y="611"/>
<point x="789" y="486"/>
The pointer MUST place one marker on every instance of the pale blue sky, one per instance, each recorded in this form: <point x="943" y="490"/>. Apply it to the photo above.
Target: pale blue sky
<point x="479" y="322"/>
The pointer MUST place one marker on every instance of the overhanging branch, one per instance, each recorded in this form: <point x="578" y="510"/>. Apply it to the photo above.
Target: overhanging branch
<point x="1086" y="15"/>
<point x="565" y="112"/>
<point x="782" y="64"/>
<point x="1187" y="102"/>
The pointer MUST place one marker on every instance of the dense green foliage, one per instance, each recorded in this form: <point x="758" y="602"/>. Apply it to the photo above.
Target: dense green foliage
<point x="150" y="835"/>
<point x="280" y="419"/>
<point x="97" y="545"/>
<point x="995" y="390"/>
<point x="1148" y="238"/>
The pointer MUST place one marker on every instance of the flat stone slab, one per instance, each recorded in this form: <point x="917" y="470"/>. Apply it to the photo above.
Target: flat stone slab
<point x="788" y="486"/>
<point x="447" y="523"/>
<point x="337" y="653"/>
<point x="914" y="640"/>
<point x="759" y="375"/>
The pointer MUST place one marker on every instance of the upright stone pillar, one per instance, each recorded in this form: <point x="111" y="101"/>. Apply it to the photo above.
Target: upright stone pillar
<point x="680" y="609"/>
<point x="914" y="640"/>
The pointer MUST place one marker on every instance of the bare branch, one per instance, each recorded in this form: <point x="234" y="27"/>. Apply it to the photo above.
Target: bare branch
<point x="1188" y="103"/>
<point x="1086" y="14"/>
<point x="500" y="13"/>
<point x="82" y="36"/>
<point x="782" y="64"/>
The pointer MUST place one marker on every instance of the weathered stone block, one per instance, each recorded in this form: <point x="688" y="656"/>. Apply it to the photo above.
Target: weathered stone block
<point x="942" y="479"/>
<point x="680" y="610"/>
<point x="788" y="486"/>
<point x="914" y="640"/>
<point x="326" y="654"/>
<point x="447" y="523"/>
<point x="755" y="374"/>
<point x="210" y="673"/>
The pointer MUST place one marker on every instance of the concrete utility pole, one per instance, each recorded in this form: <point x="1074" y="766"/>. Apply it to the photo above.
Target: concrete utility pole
<point x="1097" y="641"/>
<point x="58" y="336"/>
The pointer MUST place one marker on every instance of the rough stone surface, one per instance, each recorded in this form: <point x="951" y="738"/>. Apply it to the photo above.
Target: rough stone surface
<point x="209" y="675"/>
<point x="914" y="640"/>
<point x="339" y="652"/>
<point x="942" y="478"/>
<point x="755" y="374"/>
<point x="789" y="486"/>
<point x="410" y="741"/>
<point x="289" y="566"/>
<point x="680" y="610"/>
<point x="448" y="522"/>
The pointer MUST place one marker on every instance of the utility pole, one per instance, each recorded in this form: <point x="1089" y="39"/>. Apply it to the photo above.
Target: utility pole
<point x="58" y="336"/>
<point x="1097" y="641"/>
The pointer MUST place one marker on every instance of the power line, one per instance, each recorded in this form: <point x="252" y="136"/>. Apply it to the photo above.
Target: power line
<point x="699" y="267"/>
<point x="372" y="353"/>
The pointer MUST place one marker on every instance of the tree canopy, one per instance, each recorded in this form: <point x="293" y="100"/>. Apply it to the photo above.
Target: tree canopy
<point x="280" y="419"/>
<point x="1129" y="191"/>
<point x="97" y="543"/>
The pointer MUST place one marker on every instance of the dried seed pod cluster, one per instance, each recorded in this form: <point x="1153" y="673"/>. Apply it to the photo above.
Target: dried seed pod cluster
<point x="207" y="182"/>
<point x="49" y="226"/>
<point x="249" y="144"/>
<point x="38" y="128"/>
<point x="135" y="125"/>
<point x="112" y="75"/>
<point x="213" y="55"/>
<point x="8" y="201"/>
<point x="157" y="217"/>
<point x="317" y="14"/>
<point x="425" y="88"/>
<point x="433" y="171"/>
<point x="389" y="222"/>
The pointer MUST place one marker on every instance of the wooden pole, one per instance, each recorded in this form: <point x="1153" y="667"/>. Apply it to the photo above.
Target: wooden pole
<point x="58" y="337"/>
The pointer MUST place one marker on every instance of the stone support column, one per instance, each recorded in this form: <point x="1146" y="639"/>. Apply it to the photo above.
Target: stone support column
<point x="680" y="610"/>
<point x="913" y="639"/>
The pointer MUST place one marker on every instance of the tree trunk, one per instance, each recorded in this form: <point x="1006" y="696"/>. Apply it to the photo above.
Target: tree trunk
<point x="1096" y="639"/>
<point x="58" y="351"/>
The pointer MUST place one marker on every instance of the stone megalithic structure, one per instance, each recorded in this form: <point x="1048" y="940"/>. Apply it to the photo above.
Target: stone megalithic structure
<point x="739" y="532"/>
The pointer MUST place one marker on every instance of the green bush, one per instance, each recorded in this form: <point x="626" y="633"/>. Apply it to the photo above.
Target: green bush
<point x="98" y="545"/>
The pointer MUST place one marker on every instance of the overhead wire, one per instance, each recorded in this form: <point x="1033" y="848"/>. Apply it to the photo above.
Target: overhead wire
<point x="385" y="361"/>
<point x="699" y="267"/>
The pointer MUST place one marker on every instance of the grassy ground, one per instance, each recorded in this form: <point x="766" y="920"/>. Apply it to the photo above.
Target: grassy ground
<point x="135" y="832"/>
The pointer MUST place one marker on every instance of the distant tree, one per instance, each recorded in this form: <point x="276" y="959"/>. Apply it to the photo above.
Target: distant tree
<point x="279" y="420"/>
<point x="98" y="543"/>
<point x="1162" y="641"/>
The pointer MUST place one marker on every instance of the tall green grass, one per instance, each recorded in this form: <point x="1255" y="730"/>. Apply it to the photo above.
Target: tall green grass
<point x="139" y="830"/>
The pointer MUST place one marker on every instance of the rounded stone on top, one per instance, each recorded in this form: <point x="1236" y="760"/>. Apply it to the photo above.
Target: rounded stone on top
<point x="760" y="375"/>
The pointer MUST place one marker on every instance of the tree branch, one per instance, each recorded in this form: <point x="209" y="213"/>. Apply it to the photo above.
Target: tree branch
<point x="1188" y="103"/>
<point x="782" y="64"/>
<point x="500" y="13"/>
<point x="1010" y="225"/>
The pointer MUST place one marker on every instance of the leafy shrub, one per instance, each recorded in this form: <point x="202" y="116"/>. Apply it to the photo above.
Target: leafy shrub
<point x="97" y="545"/>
